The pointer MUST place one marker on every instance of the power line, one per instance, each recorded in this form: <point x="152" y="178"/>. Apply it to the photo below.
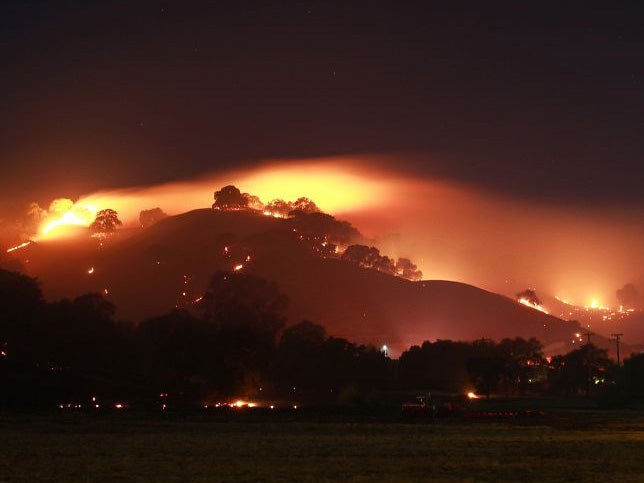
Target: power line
<point x="617" y="336"/>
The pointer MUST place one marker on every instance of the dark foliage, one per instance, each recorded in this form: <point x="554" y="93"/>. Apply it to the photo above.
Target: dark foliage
<point x="148" y="218"/>
<point x="106" y="221"/>
<point x="580" y="371"/>
<point x="235" y="343"/>
<point x="230" y="198"/>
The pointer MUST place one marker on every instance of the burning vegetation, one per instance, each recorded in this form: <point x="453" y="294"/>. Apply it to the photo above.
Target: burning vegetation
<point x="530" y="299"/>
<point x="320" y="232"/>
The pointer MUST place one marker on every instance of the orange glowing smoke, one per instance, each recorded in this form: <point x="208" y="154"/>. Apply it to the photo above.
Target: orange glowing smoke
<point x="452" y="231"/>
<point x="61" y="217"/>
<point x="336" y="185"/>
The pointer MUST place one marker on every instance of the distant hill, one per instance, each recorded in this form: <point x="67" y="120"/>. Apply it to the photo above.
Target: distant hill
<point x="150" y="271"/>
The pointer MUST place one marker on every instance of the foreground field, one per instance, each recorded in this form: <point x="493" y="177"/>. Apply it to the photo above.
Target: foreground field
<point x="579" y="446"/>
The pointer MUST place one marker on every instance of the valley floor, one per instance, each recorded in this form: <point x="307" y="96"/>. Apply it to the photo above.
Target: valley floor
<point x="580" y="445"/>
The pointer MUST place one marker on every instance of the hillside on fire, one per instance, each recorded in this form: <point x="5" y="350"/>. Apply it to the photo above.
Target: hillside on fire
<point x="326" y="268"/>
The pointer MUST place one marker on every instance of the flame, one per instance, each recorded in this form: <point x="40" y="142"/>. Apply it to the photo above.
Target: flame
<point x="240" y="403"/>
<point x="238" y="267"/>
<point x="472" y="395"/>
<point x="336" y="185"/>
<point x="596" y="305"/>
<point x="18" y="247"/>
<point x="63" y="214"/>
<point x="532" y="305"/>
<point x="378" y="197"/>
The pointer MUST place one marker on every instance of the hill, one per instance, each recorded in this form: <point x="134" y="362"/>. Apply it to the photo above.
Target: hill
<point x="150" y="271"/>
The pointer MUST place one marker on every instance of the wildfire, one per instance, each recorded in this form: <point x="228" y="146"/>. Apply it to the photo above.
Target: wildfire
<point x="238" y="267"/>
<point x="18" y="247"/>
<point x="65" y="214"/>
<point x="240" y="403"/>
<point x="532" y="305"/>
<point x="90" y="271"/>
<point x="236" y="404"/>
<point x="472" y="395"/>
<point x="595" y="305"/>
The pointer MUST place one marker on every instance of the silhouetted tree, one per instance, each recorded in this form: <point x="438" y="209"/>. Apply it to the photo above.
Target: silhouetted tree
<point x="406" y="269"/>
<point x="439" y="365"/>
<point x="523" y="360"/>
<point x="369" y="257"/>
<point x="80" y="335"/>
<point x="279" y="207"/>
<point x="253" y="202"/>
<point x="321" y="225"/>
<point x="248" y="313"/>
<point x="631" y="377"/>
<point x="106" y="221"/>
<point x="303" y="206"/>
<point x="21" y="302"/>
<point x="297" y="359"/>
<point x="578" y="371"/>
<point x="150" y="217"/>
<point x="530" y="295"/>
<point x="230" y="198"/>
<point x="486" y="367"/>
<point x="178" y="354"/>
<point x="362" y="255"/>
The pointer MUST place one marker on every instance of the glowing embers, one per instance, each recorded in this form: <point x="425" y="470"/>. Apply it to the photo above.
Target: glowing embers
<point x="236" y="404"/>
<point x="533" y="305"/>
<point x="273" y="214"/>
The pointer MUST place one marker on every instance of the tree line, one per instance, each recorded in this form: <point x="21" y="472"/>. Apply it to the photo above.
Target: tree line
<point x="236" y="342"/>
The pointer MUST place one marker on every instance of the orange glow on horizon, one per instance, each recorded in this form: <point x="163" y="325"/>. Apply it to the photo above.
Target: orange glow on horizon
<point x="451" y="230"/>
<point x="336" y="185"/>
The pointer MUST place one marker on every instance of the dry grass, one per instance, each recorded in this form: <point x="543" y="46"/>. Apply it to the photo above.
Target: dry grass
<point x="576" y="446"/>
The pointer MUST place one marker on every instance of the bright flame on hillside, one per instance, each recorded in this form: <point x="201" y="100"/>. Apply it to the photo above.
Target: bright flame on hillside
<point x="595" y="305"/>
<point x="336" y="185"/>
<point x="471" y="238"/>
<point x="18" y="247"/>
<point x="68" y="218"/>
<point x="63" y="214"/>
<point x="532" y="305"/>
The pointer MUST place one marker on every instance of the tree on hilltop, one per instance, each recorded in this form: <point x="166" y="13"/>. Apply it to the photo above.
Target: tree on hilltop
<point x="230" y="198"/>
<point x="106" y="221"/>
<point x="150" y="217"/>
<point x="406" y="269"/>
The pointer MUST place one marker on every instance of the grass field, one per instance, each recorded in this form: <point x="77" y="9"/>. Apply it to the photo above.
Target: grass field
<point x="566" y="446"/>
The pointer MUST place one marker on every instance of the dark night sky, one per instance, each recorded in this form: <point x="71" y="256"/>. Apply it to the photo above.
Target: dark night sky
<point x="543" y="101"/>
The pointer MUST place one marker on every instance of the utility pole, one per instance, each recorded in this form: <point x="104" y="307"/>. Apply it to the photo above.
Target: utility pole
<point x="617" y="336"/>
<point x="588" y="334"/>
